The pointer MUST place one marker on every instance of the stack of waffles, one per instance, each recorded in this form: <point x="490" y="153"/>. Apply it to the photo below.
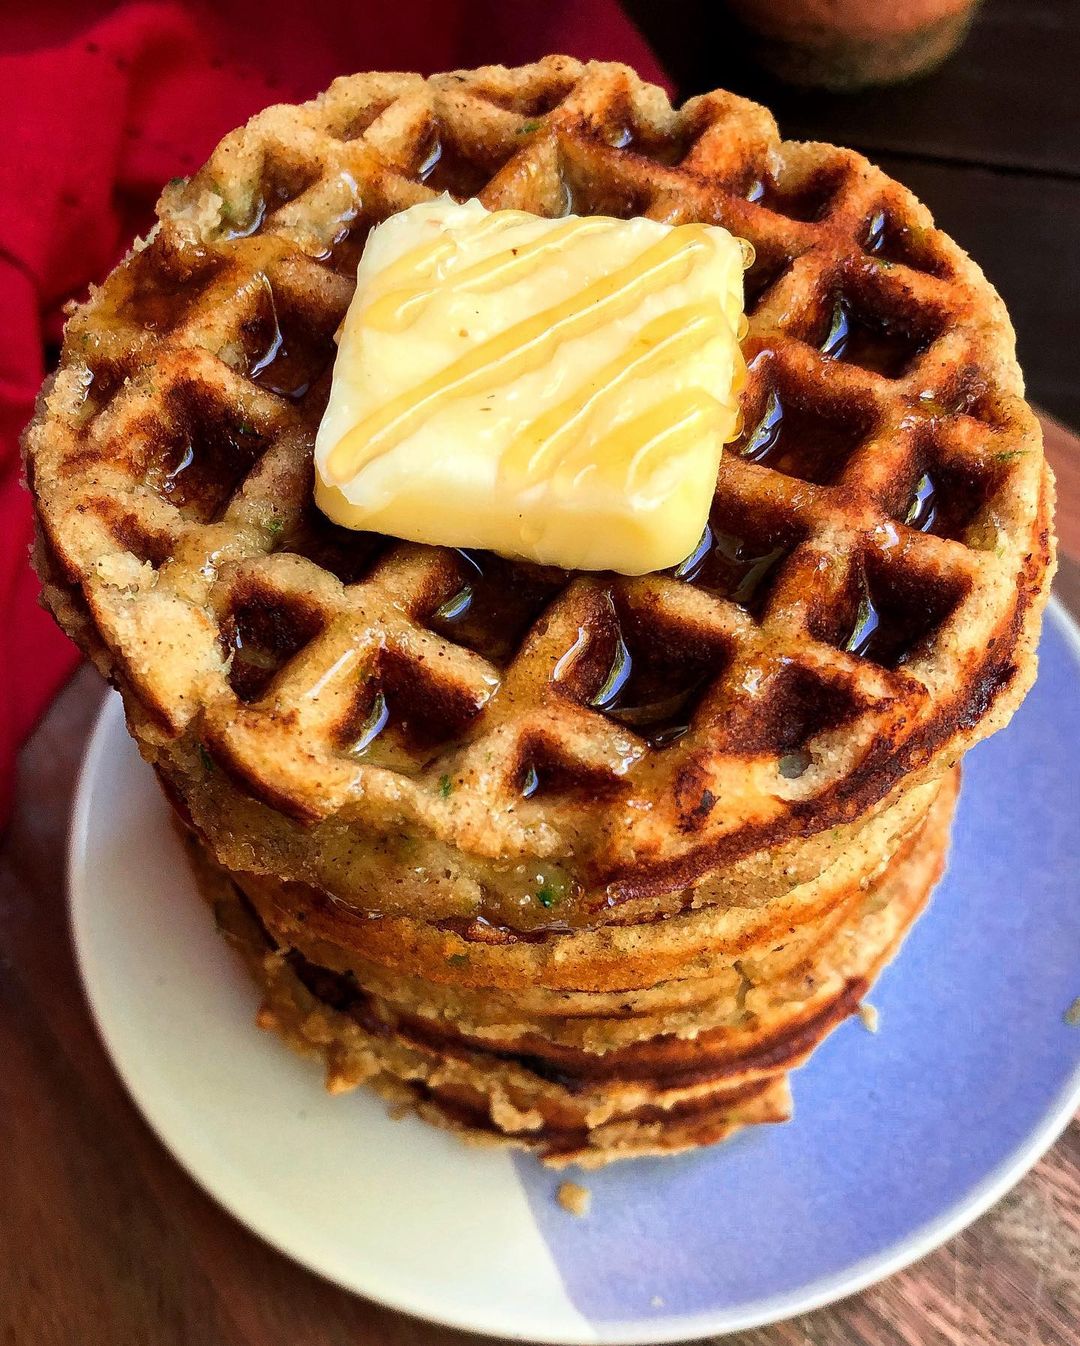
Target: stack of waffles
<point x="583" y="863"/>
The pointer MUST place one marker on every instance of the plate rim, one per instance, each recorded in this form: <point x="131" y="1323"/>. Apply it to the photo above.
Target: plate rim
<point x="643" y="1331"/>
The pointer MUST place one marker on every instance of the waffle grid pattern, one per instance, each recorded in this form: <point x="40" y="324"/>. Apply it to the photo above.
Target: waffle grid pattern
<point x="878" y="542"/>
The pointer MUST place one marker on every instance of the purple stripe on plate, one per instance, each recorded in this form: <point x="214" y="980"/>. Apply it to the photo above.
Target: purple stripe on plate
<point x="892" y="1132"/>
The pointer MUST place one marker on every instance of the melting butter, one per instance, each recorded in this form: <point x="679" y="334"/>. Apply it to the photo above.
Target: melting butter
<point x="558" y="390"/>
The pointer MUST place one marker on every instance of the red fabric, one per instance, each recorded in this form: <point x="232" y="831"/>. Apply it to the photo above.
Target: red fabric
<point x="102" y="104"/>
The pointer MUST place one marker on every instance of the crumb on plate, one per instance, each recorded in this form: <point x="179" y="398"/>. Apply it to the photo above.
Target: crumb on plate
<point x="574" y="1198"/>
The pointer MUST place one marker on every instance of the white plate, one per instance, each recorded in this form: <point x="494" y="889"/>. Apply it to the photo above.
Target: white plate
<point x="900" y="1138"/>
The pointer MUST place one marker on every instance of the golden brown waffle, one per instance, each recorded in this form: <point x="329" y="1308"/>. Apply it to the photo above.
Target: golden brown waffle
<point x="484" y="974"/>
<point x="864" y="607"/>
<point x="583" y="1076"/>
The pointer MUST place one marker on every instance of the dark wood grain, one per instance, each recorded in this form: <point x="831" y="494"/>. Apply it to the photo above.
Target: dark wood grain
<point x="1009" y="97"/>
<point x="104" y="1241"/>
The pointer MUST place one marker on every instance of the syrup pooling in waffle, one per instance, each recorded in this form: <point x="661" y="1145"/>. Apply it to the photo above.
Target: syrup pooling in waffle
<point x="862" y="606"/>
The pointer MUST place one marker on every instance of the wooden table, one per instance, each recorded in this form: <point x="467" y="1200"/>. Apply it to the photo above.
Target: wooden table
<point x="104" y="1241"/>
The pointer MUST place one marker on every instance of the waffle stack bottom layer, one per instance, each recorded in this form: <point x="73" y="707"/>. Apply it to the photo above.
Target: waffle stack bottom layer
<point x="593" y="1073"/>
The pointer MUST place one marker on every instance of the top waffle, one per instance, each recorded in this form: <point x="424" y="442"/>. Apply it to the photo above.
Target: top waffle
<point x="863" y="606"/>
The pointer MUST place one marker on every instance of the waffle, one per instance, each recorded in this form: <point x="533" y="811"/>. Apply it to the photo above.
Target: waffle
<point x="863" y="607"/>
<point x="542" y="912"/>
<point x="488" y="974"/>
<point x="589" y="1077"/>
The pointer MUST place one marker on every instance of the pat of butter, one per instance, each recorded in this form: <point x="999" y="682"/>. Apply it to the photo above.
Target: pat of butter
<point x="558" y="390"/>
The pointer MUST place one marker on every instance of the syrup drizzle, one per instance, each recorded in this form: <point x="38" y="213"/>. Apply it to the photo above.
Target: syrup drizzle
<point x="889" y="623"/>
<point x="406" y="722"/>
<point x="444" y="168"/>
<point x="654" y="698"/>
<point x="879" y="348"/>
<point x="861" y="640"/>
<point x="724" y="564"/>
<point x="893" y="242"/>
<point x="766" y="434"/>
<point x="173" y="482"/>
<point x="202" y="467"/>
<point x="922" y="511"/>
<point x="253" y="665"/>
<point x="875" y="233"/>
<point x="624" y="454"/>
<point x="689" y="569"/>
<point x="430" y="160"/>
<point x="646" y="703"/>
<point x="402" y="304"/>
<point x="621" y="668"/>
<point x="455" y="607"/>
<point x="810" y="444"/>
<point x="458" y="604"/>
<point x="496" y="604"/>
<point x="525" y="346"/>
<point x="281" y="371"/>
<point x="376" y="722"/>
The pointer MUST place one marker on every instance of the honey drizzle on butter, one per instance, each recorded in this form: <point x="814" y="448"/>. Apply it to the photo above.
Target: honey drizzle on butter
<point x="422" y="259"/>
<point x="659" y="344"/>
<point x="624" y="454"/>
<point x="521" y="348"/>
<point x="400" y="307"/>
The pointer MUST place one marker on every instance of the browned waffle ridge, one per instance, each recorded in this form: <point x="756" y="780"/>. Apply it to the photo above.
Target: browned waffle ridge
<point x="613" y="1076"/>
<point x="867" y="606"/>
<point x="495" y="976"/>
